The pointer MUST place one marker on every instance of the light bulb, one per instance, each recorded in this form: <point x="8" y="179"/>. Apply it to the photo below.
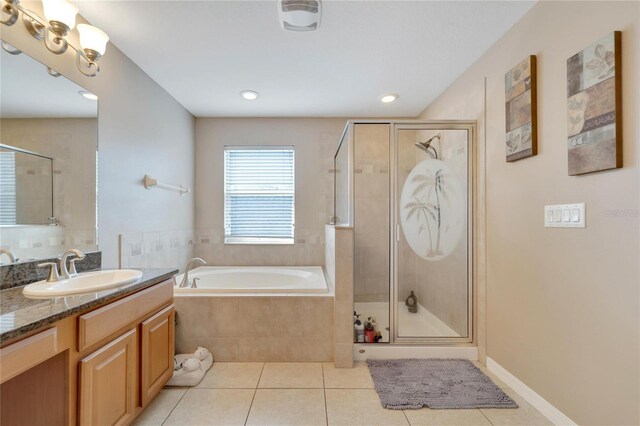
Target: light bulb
<point x="88" y="95"/>
<point x="389" y="98"/>
<point x="249" y="95"/>
<point x="92" y="38"/>
<point x="60" y="11"/>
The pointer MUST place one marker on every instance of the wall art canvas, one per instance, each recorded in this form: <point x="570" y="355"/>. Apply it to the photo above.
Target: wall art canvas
<point x="594" y="107"/>
<point x="521" y="110"/>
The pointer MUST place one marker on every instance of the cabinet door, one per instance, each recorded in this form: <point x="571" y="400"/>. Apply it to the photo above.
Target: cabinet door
<point x="157" y="352"/>
<point x="108" y="383"/>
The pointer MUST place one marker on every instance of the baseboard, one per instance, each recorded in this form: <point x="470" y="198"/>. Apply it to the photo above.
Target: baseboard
<point x="539" y="403"/>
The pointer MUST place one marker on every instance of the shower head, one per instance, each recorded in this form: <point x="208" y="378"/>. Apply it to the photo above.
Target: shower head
<point x="426" y="146"/>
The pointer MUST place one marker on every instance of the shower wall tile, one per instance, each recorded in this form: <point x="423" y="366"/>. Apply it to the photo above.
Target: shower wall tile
<point x="344" y="276"/>
<point x="344" y="283"/>
<point x="330" y="254"/>
<point x="156" y="249"/>
<point x="343" y="328"/>
<point x="371" y="210"/>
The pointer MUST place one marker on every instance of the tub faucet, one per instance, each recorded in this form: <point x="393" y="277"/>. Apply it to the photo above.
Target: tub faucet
<point x="10" y="255"/>
<point x="185" y="279"/>
<point x="68" y="273"/>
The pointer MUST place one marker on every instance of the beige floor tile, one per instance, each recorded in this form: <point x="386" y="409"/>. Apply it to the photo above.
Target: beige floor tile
<point x="160" y="408"/>
<point x="288" y="407"/>
<point x="359" y="407"/>
<point x="212" y="407"/>
<point x="357" y="377"/>
<point x="239" y="375"/>
<point x="426" y="416"/>
<point x="291" y="375"/>
<point x="492" y="376"/>
<point x="524" y="415"/>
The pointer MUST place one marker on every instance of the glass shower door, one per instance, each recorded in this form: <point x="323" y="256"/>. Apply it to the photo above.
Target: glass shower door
<point x="432" y="252"/>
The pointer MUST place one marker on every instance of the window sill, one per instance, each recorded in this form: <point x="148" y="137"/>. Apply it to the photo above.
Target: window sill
<point x="259" y="241"/>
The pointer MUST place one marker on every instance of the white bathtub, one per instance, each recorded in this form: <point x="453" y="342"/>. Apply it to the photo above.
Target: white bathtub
<point x="253" y="279"/>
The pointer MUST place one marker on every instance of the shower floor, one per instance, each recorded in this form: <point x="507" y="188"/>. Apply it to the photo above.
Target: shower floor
<point x="421" y="324"/>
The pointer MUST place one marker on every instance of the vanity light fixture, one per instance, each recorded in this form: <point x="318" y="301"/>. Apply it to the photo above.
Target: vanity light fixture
<point x="60" y="19"/>
<point x="387" y="99"/>
<point x="88" y="95"/>
<point x="249" y="95"/>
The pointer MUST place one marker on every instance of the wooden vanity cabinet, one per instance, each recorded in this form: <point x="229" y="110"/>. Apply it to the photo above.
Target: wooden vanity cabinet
<point x="112" y="361"/>
<point x="107" y="391"/>
<point x="157" y="350"/>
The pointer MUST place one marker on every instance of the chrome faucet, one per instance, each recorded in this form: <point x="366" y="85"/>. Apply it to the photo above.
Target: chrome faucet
<point x="10" y="255"/>
<point x="68" y="273"/>
<point x="185" y="279"/>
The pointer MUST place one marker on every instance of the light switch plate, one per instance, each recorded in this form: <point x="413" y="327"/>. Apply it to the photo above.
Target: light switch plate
<point x="565" y="216"/>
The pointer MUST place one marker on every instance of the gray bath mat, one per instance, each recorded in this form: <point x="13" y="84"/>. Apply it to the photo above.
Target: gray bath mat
<point x="435" y="383"/>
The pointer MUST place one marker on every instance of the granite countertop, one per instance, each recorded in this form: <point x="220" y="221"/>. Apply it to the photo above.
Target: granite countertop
<point x="20" y="314"/>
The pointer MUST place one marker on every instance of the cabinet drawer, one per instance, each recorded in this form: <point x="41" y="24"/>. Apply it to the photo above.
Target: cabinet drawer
<point x="27" y="353"/>
<point x="102" y="322"/>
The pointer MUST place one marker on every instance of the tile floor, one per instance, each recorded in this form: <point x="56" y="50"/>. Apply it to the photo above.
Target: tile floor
<point x="256" y="393"/>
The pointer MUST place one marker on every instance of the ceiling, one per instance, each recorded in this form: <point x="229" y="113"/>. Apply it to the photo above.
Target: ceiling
<point x="28" y="91"/>
<point x="205" y="52"/>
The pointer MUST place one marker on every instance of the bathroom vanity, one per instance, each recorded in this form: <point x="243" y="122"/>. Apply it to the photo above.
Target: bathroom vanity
<point x="91" y="359"/>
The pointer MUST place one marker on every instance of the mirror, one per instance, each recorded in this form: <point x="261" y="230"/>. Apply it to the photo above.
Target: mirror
<point x="26" y="187"/>
<point x="48" y="161"/>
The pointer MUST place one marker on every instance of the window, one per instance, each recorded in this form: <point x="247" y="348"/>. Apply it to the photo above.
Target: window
<point x="259" y="195"/>
<point x="7" y="188"/>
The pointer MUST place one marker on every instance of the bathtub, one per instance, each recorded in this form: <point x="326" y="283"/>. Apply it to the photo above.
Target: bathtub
<point x="253" y="279"/>
<point x="256" y="313"/>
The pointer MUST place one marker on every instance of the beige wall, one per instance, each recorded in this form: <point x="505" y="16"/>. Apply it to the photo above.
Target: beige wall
<point x="315" y="141"/>
<point x="141" y="130"/>
<point x="562" y="304"/>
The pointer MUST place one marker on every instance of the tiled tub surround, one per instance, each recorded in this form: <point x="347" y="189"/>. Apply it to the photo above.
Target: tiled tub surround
<point x="20" y="314"/>
<point x="156" y="249"/>
<point x="23" y="273"/>
<point x="257" y="327"/>
<point x="339" y="253"/>
<point x="308" y="249"/>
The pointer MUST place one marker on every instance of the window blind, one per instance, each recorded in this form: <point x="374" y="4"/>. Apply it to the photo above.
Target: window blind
<point x="259" y="195"/>
<point x="7" y="188"/>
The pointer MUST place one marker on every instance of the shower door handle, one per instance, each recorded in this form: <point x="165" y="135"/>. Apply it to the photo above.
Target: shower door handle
<point x="397" y="232"/>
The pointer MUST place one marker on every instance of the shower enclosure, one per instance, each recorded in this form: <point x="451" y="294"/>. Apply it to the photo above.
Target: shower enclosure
<point x="406" y="188"/>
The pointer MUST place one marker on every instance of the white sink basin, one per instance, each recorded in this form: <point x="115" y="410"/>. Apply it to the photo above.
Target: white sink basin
<point x="84" y="282"/>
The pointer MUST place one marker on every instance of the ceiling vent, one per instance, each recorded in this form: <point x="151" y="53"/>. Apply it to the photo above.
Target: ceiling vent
<point x="299" y="15"/>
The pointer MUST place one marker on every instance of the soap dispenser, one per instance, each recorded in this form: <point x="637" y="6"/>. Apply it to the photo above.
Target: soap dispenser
<point x="412" y="303"/>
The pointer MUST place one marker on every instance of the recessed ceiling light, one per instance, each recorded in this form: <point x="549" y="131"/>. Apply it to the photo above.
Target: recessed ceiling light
<point x="249" y="95"/>
<point x="389" y="98"/>
<point x="88" y="95"/>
